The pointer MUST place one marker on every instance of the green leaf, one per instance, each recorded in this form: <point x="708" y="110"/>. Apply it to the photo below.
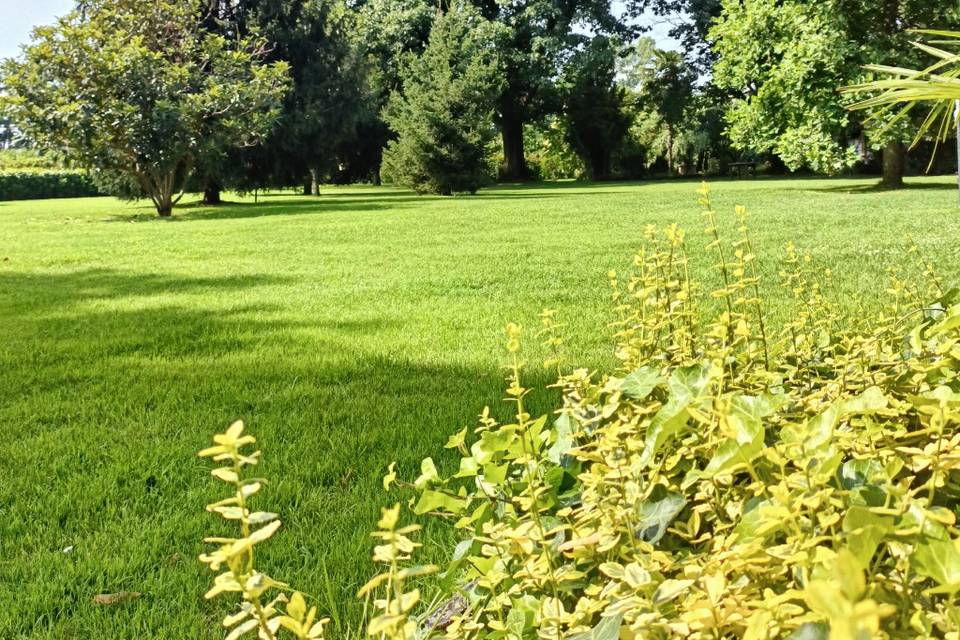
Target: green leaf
<point x="437" y="501"/>
<point x="428" y="473"/>
<point x="563" y="439"/>
<point x="607" y="629"/>
<point x="938" y="560"/>
<point x="641" y="382"/>
<point x="655" y="517"/>
<point x="865" y="531"/>
<point x="686" y="386"/>
<point x="669" y="590"/>
<point x="870" y="401"/>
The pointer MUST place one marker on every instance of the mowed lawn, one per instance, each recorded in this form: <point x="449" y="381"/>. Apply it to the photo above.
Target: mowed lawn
<point x="348" y="331"/>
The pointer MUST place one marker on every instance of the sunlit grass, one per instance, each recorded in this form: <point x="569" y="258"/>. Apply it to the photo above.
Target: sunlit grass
<point x="348" y="331"/>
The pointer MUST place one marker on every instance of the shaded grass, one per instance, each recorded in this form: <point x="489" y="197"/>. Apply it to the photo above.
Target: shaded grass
<point x="348" y="330"/>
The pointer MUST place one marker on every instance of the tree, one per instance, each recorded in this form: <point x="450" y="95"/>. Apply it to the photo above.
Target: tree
<point x="668" y="88"/>
<point x="387" y="32"/>
<point x="901" y="89"/>
<point x="443" y="114"/>
<point x="594" y="106"/>
<point x="137" y="92"/>
<point x="322" y="109"/>
<point x="536" y="37"/>
<point x="784" y="60"/>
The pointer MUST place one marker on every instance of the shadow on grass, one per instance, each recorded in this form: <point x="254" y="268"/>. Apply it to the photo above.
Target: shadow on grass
<point x="879" y="188"/>
<point x="111" y="400"/>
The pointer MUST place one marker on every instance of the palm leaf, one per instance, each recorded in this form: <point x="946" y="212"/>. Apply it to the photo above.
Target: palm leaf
<point x="937" y="85"/>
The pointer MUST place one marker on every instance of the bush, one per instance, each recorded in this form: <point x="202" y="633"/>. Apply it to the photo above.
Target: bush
<point x="42" y="183"/>
<point x="12" y="160"/>
<point x="442" y="117"/>
<point x="730" y="479"/>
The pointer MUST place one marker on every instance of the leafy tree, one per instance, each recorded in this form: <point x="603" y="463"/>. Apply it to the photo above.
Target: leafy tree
<point x="322" y="110"/>
<point x="537" y="35"/>
<point x="138" y="92"/>
<point x="785" y="59"/>
<point x="668" y="88"/>
<point x="935" y="86"/>
<point x="594" y="106"/>
<point x="386" y="33"/>
<point x="443" y="114"/>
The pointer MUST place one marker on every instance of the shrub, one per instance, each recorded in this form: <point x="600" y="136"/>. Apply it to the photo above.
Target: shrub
<point x="43" y="183"/>
<point x="12" y="160"/>
<point x="729" y="479"/>
<point x="442" y="117"/>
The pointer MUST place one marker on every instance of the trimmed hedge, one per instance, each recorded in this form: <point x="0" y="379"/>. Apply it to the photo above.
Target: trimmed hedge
<point x="34" y="185"/>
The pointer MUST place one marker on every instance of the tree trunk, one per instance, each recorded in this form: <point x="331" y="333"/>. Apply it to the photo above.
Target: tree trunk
<point x="894" y="163"/>
<point x="307" y="187"/>
<point x="314" y="182"/>
<point x="211" y="192"/>
<point x="514" y="163"/>
<point x="599" y="163"/>
<point x="669" y="149"/>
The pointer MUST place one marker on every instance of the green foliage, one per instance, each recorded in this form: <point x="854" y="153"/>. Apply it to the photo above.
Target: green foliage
<point x="785" y="60"/>
<point x="27" y="159"/>
<point x="43" y="183"/>
<point x="536" y="37"/>
<point x="326" y="99"/>
<point x="551" y="157"/>
<point x="139" y="94"/>
<point x="729" y="479"/>
<point x="280" y="616"/>
<point x="667" y="87"/>
<point x="901" y="89"/>
<point x="443" y="115"/>
<point x="596" y="121"/>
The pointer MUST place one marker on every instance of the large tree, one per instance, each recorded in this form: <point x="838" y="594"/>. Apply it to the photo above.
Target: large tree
<point x="387" y="32"/>
<point x="594" y="106"/>
<point x="785" y="59"/>
<point x="668" y="89"/>
<point x="321" y="112"/>
<point x="538" y="36"/>
<point x="137" y="92"/>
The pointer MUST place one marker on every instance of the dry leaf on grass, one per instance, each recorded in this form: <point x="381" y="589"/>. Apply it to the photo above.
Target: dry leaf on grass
<point x="115" y="598"/>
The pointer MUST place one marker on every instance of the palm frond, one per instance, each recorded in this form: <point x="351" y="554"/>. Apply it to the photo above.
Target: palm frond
<point x="937" y="85"/>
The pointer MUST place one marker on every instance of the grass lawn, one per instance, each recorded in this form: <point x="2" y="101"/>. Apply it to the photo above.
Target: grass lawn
<point x="348" y="330"/>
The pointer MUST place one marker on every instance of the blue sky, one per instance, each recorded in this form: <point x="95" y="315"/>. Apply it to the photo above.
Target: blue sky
<point x="20" y="16"/>
<point x="16" y="23"/>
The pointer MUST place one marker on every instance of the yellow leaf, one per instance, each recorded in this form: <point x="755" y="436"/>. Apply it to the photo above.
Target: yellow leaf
<point x="297" y="607"/>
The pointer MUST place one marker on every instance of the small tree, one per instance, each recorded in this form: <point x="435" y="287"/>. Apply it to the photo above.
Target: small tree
<point x="443" y="115"/>
<point x="137" y="92"/>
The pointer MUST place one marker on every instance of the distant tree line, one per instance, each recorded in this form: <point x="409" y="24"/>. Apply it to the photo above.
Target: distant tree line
<point x="160" y="97"/>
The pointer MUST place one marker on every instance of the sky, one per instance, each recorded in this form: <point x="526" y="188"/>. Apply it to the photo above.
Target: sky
<point x="18" y="17"/>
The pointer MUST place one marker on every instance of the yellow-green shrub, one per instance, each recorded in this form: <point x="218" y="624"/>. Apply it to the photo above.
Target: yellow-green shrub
<point x="730" y="480"/>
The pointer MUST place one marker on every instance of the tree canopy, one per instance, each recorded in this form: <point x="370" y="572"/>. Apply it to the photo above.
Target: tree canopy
<point x="443" y="113"/>
<point x="139" y="93"/>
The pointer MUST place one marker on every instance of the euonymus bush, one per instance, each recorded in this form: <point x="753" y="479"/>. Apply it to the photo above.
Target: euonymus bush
<point x="731" y="479"/>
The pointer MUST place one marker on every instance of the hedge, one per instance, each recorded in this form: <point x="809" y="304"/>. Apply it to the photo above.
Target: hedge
<point x="33" y="185"/>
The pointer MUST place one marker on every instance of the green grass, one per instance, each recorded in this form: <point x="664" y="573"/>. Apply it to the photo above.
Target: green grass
<point x="348" y="330"/>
